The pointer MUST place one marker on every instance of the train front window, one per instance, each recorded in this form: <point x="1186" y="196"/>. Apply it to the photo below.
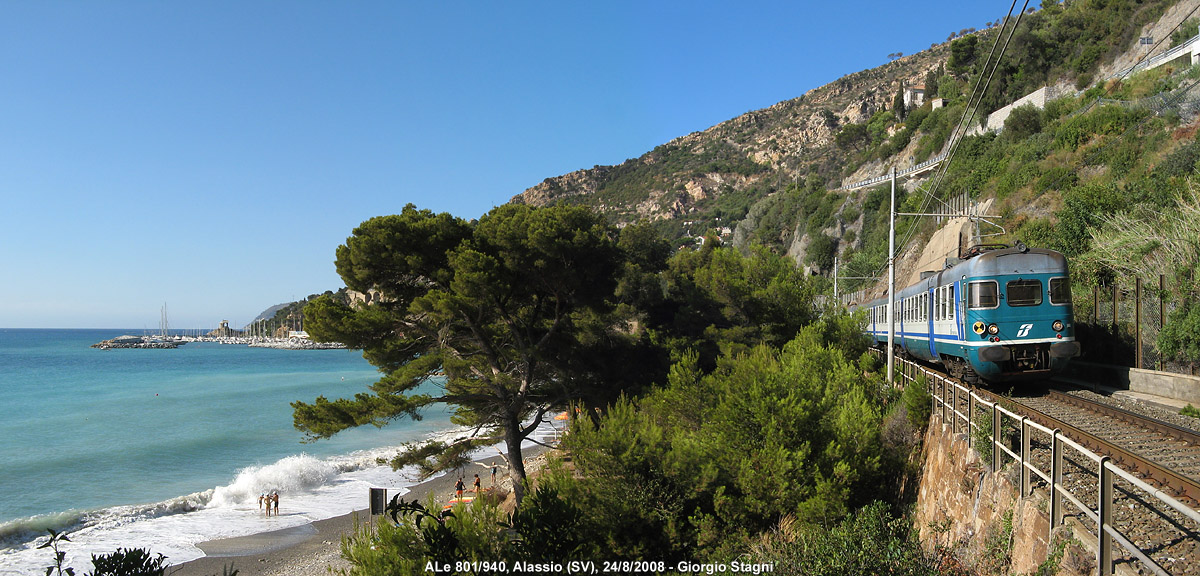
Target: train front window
<point x="1024" y="292"/>
<point x="1060" y="291"/>
<point x="983" y="294"/>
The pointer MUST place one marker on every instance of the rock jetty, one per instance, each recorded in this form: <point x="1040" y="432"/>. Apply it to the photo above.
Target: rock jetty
<point x="135" y="342"/>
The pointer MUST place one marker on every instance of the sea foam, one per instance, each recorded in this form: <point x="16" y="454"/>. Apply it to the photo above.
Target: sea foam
<point x="310" y="489"/>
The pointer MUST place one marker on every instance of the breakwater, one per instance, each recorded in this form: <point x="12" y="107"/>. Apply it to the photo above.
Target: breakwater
<point x="137" y="342"/>
<point x="157" y="342"/>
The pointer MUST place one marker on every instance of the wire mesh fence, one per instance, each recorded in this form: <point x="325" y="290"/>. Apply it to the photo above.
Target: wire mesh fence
<point x="1119" y="323"/>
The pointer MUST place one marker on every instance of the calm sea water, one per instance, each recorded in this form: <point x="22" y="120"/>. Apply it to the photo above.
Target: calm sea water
<point x="167" y="448"/>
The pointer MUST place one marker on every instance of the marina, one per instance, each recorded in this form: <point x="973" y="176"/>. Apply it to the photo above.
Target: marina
<point x="255" y="335"/>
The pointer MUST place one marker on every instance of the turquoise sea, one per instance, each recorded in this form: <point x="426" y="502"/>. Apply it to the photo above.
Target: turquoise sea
<point x="167" y="448"/>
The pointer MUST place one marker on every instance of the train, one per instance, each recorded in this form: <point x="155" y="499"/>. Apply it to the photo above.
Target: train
<point x="996" y="314"/>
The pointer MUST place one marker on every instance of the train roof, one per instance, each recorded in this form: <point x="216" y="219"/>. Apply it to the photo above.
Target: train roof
<point x="1017" y="260"/>
<point x="989" y="261"/>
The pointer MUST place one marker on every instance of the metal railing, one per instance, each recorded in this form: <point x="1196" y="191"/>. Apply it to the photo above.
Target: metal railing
<point x="899" y="173"/>
<point x="946" y="395"/>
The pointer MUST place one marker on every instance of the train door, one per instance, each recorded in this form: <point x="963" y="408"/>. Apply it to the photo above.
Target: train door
<point x="960" y="316"/>
<point x="930" y="313"/>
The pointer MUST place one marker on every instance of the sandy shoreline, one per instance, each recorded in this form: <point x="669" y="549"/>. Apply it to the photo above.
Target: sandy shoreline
<point x="312" y="548"/>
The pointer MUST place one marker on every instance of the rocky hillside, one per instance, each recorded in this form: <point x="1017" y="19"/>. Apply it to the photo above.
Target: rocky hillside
<point x="773" y="176"/>
<point x="721" y="171"/>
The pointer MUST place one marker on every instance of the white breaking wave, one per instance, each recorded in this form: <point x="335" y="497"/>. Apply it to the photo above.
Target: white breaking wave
<point x="310" y="489"/>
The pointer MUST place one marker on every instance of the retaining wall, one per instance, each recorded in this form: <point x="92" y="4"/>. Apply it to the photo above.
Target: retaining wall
<point x="1179" y="387"/>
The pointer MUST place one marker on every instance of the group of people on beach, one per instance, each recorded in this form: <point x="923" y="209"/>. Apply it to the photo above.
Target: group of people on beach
<point x="270" y="501"/>
<point x="459" y="487"/>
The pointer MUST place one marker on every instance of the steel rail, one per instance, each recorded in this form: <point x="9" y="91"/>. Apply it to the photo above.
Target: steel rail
<point x="1154" y="424"/>
<point x="1184" y="488"/>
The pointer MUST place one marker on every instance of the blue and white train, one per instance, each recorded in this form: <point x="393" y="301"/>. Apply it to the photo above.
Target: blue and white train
<point x="1000" y="314"/>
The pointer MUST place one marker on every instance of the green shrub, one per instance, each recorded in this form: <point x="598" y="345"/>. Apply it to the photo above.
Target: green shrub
<point x="872" y="541"/>
<point x="131" y="562"/>
<point x="918" y="404"/>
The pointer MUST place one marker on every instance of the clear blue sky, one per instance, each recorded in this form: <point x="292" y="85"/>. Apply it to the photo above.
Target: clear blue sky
<point x="212" y="155"/>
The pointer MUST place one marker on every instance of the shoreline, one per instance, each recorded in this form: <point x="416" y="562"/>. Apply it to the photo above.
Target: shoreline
<point x="314" y="548"/>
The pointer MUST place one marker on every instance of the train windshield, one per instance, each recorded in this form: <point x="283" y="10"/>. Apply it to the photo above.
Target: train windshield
<point x="1060" y="291"/>
<point x="1024" y="292"/>
<point x="983" y="294"/>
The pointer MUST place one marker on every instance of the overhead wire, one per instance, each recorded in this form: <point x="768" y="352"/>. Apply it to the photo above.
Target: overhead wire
<point x="959" y="132"/>
<point x="973" y="101"/>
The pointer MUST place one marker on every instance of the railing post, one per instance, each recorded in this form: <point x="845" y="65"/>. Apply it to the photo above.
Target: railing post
<point x="1137" y="318"/>
<point x="942" y="399"/>
<point x="953" y="408"/>
<point x="931" y="388"/>
<point x="1116" y="307"/>
<point x="996" y="452"/>
<point x="1162" y="312"/>
<point x="1056" y="511"/>
<point x="970" y="418"/>
<point x="1104" y="555"/>
<point x="1025" y="484"/>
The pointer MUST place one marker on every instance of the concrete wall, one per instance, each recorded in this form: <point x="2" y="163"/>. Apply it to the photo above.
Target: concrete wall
<point x="1179" y="387"/>
<point x="1037" y="99"/>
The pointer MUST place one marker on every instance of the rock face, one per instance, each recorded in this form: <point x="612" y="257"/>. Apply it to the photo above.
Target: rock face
<point x="750" y="155"/>
<point x="975" y="513"/>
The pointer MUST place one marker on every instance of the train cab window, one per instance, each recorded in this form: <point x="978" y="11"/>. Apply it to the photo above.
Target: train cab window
<point x="983" y="294"/>
<point x="1024" y="292"/>
<point x="1060" y="291"/>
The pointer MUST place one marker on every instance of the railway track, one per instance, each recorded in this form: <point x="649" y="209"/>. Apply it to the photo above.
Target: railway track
<point x="1168" y="455"/>
<point x="1162" y="455"/>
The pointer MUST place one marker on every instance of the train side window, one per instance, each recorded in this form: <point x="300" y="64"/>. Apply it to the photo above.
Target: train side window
<point x="983" y="294"/>
<point x="1024" y="292"/>
<point x="1060" y="291"/>
<point x="950" y="305"/>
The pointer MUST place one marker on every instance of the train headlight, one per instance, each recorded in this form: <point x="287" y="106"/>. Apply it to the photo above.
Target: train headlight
<point x="993" y="329"/>
<point x="1057" y="325"/>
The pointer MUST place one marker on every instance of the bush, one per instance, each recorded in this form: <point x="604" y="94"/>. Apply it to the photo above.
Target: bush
<point x="131" y="562"/>
<point x="1180" y="336"/>
<point x="1182" y="161"/>
<point x="872" y="541"/>
<point x="918" y="403"/>
<point x="1022" y="123"/>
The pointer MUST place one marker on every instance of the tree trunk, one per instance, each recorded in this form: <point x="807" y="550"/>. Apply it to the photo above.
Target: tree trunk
<point x="516" y="464"/>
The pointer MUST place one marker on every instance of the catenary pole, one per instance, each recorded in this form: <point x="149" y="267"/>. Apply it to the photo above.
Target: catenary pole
<point x="891" y="314"/>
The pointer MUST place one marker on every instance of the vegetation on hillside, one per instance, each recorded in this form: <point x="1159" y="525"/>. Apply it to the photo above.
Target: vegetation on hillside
<point x="771" y="430"/>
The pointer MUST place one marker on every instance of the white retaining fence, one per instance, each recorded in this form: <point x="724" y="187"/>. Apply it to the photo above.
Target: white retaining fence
<point x="946" y="394"/>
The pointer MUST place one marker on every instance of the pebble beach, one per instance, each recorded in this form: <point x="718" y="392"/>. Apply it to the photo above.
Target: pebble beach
<point x="315" y="549"/>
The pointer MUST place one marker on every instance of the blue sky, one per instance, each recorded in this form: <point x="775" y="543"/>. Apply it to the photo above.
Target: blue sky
<point x="212" y="155"/>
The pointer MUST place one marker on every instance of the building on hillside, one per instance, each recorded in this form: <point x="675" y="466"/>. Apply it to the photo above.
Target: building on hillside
<point x="914" y="97"/>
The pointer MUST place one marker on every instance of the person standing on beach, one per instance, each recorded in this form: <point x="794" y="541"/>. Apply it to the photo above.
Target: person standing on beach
<point x="493" y="473"/>
<point x="458" y="488"/>
<point x="476" y="484"/>
<point x="262" y="496"/>
<point x="275" y="500"/>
